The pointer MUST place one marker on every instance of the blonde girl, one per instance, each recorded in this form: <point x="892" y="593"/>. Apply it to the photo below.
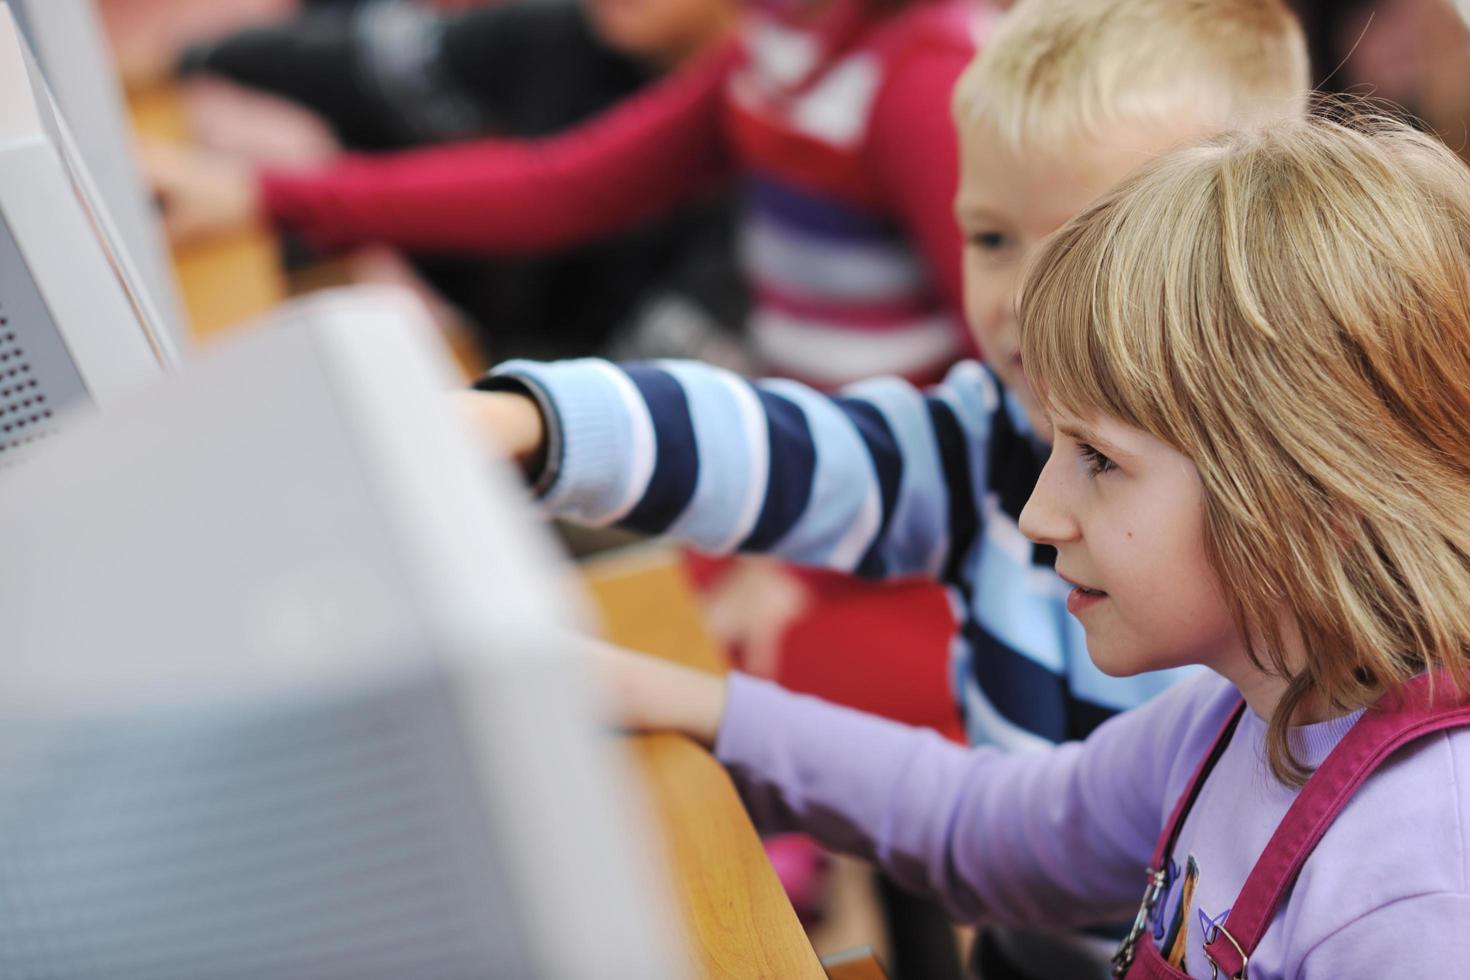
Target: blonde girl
<point x="1256" y="358"/>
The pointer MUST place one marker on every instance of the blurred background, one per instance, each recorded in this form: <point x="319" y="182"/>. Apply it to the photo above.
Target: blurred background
<point x="293" y="83"/>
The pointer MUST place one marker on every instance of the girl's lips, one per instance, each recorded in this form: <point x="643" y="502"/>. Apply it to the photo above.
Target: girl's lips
<point x="1080" y="599"/>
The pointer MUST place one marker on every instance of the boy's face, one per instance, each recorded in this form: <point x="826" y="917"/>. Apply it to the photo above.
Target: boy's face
<point x="1009" y="202"/>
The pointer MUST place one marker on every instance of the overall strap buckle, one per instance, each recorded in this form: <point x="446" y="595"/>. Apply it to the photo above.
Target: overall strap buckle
<point x="1123" y="958"/>
<point x="1245" y="960"/>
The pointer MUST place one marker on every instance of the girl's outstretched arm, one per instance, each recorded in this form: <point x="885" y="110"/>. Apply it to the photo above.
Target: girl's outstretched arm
<point x="1048" y="838"/>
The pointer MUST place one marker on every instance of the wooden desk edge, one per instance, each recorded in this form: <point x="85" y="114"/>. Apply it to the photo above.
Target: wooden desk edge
<point x="735" y="909"/>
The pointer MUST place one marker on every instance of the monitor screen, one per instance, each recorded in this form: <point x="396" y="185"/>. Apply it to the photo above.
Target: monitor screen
<point x="78" y="325"/>
<point x="68" y="43"/>
<point x="285" y="693"/>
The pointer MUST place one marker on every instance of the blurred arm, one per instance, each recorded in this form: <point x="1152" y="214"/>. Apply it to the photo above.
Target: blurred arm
<point x="661" y="147"/>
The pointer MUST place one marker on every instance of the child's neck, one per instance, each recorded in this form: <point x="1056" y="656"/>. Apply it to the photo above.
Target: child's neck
<point x="1263" y="692"/>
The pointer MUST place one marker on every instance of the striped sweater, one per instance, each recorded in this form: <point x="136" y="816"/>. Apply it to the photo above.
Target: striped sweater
<point x="882" y="479"/>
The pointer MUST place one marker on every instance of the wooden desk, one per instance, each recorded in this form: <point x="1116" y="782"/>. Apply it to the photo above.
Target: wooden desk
<point x="738" y="919"/>
<point x="860" y="964"/>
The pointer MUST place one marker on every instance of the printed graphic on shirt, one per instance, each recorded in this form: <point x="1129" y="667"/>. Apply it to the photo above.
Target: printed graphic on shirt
<point x="1170" y="915"/>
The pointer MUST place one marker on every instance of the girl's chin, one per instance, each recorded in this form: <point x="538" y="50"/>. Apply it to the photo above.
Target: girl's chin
<point x="1117" y="663"/>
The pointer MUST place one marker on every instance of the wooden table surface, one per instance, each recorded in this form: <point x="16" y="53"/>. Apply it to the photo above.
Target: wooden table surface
<point x="737" y="918"/>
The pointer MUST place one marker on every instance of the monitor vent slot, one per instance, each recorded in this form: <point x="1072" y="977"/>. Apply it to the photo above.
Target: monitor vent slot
<point x="39" y="377"/>
<point x="25" y="410"/>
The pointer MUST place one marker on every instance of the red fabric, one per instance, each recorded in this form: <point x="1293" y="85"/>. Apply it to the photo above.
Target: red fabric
<point x="913" y="150"/>
<point x="661" y="147"/>
<point x="765" y="144"/>
<point x="880" y="647"/>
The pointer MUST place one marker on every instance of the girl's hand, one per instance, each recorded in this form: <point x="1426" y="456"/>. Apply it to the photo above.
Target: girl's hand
<point x="650" y="694"/>
<point x="202" y="195"/>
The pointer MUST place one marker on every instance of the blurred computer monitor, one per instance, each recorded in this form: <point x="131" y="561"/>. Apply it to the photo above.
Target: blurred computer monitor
<point x="283" y="693"/>
<point x="67" y="41"/>
<point x="76" y="325"/>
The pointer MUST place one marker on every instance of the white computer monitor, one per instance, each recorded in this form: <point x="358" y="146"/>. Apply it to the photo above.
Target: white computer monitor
<point x="67" y="40"/>
<point x="76" y="325"/>
<point x="284" y="693"/>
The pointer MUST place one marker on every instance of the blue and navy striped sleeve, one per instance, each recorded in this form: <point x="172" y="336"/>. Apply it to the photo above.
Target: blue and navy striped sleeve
<point x="880" y="479"/>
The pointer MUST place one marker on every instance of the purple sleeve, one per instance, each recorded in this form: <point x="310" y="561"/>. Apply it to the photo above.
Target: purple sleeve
<point x="1046" y="838"/>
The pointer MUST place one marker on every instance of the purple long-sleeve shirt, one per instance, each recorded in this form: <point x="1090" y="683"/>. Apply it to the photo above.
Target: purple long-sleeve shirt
<point x="1062" y="836"/>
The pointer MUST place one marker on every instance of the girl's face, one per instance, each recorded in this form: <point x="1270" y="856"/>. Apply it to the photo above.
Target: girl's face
<point x="1126" y="515"/>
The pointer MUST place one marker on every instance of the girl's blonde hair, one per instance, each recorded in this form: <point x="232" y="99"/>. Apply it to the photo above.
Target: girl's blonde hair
<point x="1290" y="308"/>
<point x="1061" y="70"/>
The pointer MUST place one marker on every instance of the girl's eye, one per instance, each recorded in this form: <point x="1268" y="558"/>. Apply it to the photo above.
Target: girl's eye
<point x="989" y="241"/>
<point x="1097" y="462"/>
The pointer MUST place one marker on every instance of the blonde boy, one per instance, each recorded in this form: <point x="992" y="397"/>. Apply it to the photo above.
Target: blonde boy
<point x="1070" y="96"/>
<point x="885" y="480"/>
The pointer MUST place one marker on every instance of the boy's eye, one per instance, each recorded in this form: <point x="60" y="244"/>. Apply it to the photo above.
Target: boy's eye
<point x="1097" y="462"/>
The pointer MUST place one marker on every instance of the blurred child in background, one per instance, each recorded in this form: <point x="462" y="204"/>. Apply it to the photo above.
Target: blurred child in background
<point x="830" y="114"/>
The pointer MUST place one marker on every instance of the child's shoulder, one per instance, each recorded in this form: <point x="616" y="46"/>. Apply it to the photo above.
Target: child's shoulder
<point x="1413" y="812"/>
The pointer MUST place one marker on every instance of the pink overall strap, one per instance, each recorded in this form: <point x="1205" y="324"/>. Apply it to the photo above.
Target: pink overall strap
<point x="1393" y="722"/>
<point x="1186" y="799"/>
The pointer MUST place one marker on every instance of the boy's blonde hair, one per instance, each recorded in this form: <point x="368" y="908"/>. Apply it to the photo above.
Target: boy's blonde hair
<point x="1058" y="70"/>
<point x="1290" y="308"/>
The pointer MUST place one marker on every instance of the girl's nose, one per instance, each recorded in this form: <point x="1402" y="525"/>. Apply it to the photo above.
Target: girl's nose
<point x="1046" y="518"/>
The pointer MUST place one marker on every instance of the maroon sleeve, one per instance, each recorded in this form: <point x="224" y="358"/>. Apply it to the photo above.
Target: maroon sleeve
<point x="489" y="196"/>
<point x="913" y="153"/>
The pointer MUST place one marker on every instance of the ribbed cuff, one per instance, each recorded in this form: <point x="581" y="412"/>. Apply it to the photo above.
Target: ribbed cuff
<point x="586" y="404"/>
<point x="543" y="470"/>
